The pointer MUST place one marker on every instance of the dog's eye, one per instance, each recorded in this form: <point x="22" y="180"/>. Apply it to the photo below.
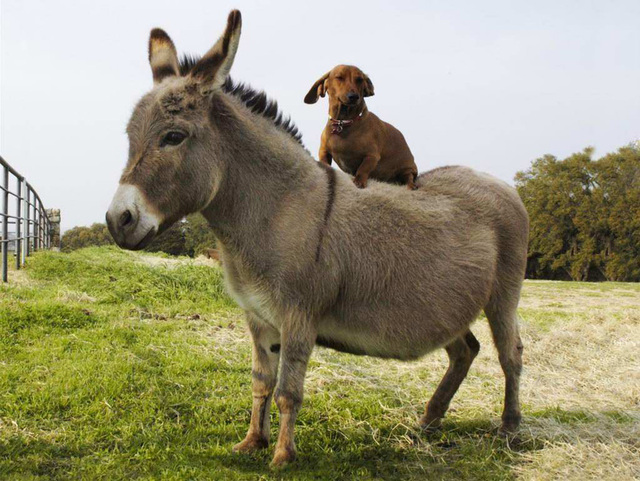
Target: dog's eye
<point x="359" y="80"/>
<point x="174" y="137"/>
<point x="339" y="77"/>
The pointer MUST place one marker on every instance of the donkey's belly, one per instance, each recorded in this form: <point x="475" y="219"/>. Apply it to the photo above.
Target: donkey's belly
<point x="385" y="340"/>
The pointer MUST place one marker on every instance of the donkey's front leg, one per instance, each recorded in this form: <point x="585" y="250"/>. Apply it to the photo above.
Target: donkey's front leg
<point x="265" y="357"/>
<point x="298" y="338"/>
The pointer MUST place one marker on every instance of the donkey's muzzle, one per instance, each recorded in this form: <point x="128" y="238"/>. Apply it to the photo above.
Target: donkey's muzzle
<point x="129" y="219"/>
<point x="126" y="219"/>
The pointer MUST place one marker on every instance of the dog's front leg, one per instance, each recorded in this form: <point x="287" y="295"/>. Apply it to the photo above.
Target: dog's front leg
<point x="409" y="179"/>
<point x="324" y="156"/>
<point x="298" y="336"/>
<point x="264" y="370"/>
<point x="367" y="166"/>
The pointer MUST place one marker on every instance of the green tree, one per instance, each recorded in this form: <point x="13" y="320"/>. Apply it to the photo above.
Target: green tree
<point x="585" y="216"/>
<point x="188" y="237"/>
<point x="172" y="241"/>
<point x="199" y="236"/>
<point x="80" y="236"/>
<point x="618" y="178"/>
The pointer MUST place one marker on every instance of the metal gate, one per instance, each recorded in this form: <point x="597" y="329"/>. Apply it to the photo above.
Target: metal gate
<point x="22" y="209"/>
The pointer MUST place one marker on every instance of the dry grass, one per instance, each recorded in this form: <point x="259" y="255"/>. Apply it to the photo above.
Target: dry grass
<point x="581" y="460"/>
<point x="17" y="277"/>
<point x="580" y="385"/>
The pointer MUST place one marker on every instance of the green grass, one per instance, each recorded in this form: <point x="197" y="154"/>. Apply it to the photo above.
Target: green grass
<point x="115" y="365"/>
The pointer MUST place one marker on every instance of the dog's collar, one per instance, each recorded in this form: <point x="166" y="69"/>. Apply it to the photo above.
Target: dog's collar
<point x="337" y="126"/>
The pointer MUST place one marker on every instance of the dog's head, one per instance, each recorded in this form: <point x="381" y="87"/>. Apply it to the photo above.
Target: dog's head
<point x="344" y="83"/>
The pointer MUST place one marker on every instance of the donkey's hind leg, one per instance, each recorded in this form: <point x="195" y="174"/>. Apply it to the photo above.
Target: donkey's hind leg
<point x="504" y="327"/>
<point x="462" y="351"/>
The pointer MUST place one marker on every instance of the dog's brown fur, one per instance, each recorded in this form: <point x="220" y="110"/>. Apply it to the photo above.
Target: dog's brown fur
<point x="368" y="147"/>
<point x="311" y="258"/>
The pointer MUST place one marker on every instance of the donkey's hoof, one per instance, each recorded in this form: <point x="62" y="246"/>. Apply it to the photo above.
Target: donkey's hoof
<point x="509" y="432"/>
<point x="512" y="438"/>
<point x="430" y="426"/>
<point x="510" y="425"/>
<point x="282" y="457"/>
<point x="251" y="444"/>
<point x="506" y="431"/>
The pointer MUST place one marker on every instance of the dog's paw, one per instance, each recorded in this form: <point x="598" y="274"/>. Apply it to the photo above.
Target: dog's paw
<point x="360" y="183"/>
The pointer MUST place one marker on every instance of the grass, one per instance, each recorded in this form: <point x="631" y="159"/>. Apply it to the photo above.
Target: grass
<point x="115" y="365"/>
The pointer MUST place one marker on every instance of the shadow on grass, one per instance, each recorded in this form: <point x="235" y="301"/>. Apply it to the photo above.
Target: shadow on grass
<point x="464" y="450"/>
<point x="461" y="449"/>
<point x="22" y="456"/>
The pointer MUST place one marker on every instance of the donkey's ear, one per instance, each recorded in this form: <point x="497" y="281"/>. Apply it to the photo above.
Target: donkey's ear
<point x="368" y="87"/>
<point x="319" y="89"/>
<point x="162" y="56"/>
<point x="214" y="67"/>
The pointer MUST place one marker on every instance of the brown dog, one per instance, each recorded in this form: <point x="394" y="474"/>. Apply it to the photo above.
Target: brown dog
<point x="360" y="143"/>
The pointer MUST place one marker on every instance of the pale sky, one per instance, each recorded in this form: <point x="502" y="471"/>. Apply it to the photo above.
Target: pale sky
<point x="492" y="85"/>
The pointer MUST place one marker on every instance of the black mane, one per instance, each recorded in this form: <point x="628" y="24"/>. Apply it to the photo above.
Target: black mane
<point x="255" y="100"/>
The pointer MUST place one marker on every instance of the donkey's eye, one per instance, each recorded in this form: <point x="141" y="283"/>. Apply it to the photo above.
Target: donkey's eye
<point x="173" y="138"/>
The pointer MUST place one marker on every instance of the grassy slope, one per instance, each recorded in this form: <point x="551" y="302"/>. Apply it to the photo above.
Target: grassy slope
<point x="116" y="365"/>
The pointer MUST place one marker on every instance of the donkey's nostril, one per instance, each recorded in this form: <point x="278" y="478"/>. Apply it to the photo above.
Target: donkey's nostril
<point x="125" y="219"/>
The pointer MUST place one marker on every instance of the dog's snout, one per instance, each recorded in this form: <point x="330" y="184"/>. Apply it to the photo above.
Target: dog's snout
<point x="352" y="96"/>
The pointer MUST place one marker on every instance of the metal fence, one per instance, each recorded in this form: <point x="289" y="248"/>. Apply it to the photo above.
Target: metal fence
<point x="22" y="209"/>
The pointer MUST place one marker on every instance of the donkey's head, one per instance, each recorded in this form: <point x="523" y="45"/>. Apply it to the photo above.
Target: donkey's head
<point x="170" y="172"/>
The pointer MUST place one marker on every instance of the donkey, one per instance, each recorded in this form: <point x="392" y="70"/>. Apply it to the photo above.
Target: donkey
<point x="307" y="255"/>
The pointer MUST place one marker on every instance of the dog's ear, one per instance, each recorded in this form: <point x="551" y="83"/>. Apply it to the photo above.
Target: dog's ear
<point x="319" y="89"/>
<point x="368" y="87"/>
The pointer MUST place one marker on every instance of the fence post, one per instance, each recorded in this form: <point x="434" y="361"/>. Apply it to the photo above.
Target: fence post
<point x="18" y="223"/>
<point x="5" y="222"/>
<point x="43" y="227"/>
<point x="36" y="225"/>
<point x="27" y="228"/>
<point x="25" y="223"/>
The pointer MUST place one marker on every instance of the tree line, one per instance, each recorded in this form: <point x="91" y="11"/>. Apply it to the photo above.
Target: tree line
<point x="584" y="219"/>
<point x="584" y="216"/>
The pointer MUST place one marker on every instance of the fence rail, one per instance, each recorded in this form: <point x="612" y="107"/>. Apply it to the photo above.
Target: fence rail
<point x="23" y="209"/>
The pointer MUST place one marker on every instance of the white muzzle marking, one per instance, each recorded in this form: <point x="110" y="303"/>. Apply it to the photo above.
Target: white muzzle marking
<point x="132" y="222"/>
